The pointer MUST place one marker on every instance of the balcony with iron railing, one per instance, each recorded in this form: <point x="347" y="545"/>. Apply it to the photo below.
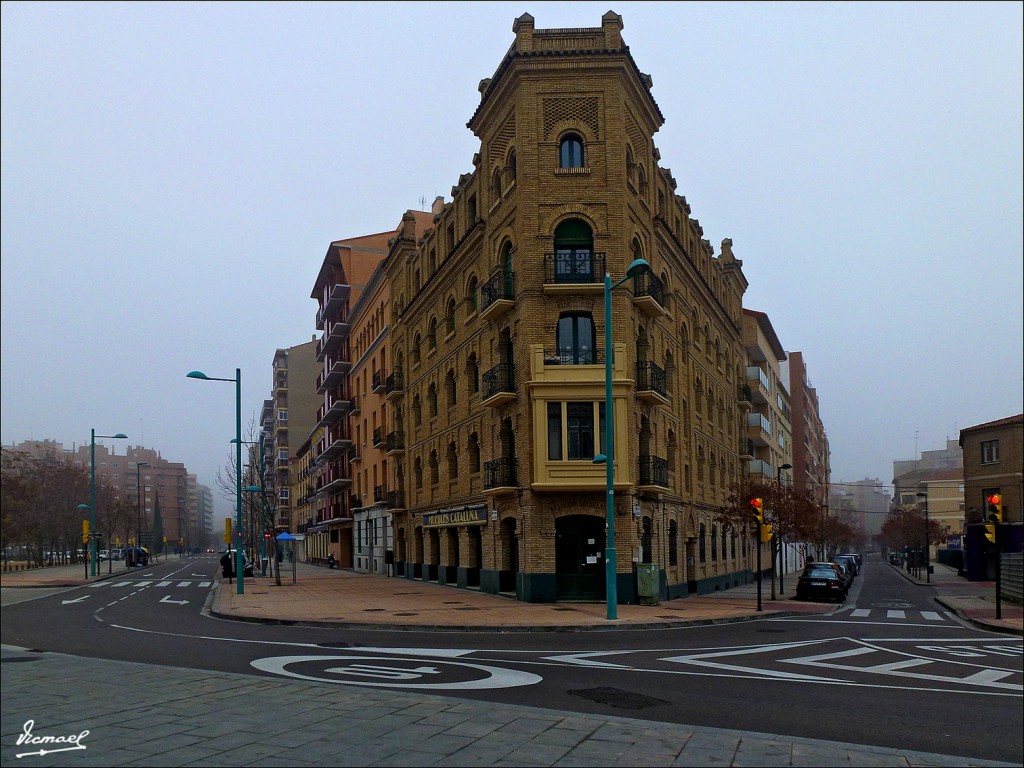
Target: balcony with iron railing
<point x="395" y="443"/>
<point x="743" y="395"/>
<point x="574" y="272"/>
<point x="497" y="295"/>
<point x="651" y="384"/>
<point x="746" y="448"/>
<point x="378" y="437"/>
<point x="380" y="494"/>
<point x="396" y="500"/>
<point x="499" y="385"/>
<point x="500" y="475"/>
<point x="649" y="295"/>
<point x="394" y="385"/>
<point x="378" y="381"/>
<point x="333" y="376"/>
<point x="332" y="339"/>
<point x="570" y="356"/>
<point x="653" y="472"/>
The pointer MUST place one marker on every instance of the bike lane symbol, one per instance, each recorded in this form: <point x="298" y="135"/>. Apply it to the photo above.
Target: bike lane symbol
<point x="395" y="672"/>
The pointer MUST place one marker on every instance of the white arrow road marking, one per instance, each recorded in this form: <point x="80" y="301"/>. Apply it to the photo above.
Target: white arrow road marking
<point x="167" y="599"/>
<point x="76" y="600"/>
<point x="707" y="660"/>
<point x="583" y="659"/>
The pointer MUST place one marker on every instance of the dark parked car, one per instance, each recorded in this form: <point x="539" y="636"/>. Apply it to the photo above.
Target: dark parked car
<point x="820" y="582"/>
<point x="850" y="561"/>
<point x="845" y="571"/>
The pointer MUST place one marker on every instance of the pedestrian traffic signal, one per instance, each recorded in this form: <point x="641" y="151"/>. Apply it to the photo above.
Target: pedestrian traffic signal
<point x="757" y="506"/>
<point x="995" y="508"/>
<point x="85" y="532"/>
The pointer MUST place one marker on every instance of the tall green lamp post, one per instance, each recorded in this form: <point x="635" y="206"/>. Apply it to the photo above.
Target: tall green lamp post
<point x="239" y="561"/>
<point x="92" y="493"/>
<point x="638" y="267"/>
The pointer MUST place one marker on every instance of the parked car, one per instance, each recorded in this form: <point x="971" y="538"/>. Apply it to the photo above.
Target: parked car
<point x="837" y="569"/>
<point x="247" y="566"/>
<point x="820" y="582"/>
<point x="845" y="572"/>
<point x="104" y="555"/>
<point x="851" y="561"/>
<point x="859" y="559"/>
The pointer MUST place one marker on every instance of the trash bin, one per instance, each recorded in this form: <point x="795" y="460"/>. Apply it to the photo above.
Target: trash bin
<point x="647" y="583"/>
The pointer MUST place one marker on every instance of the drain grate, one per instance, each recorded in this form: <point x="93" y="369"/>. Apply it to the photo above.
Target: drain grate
<point x="406" y="614"/>
<point x="618" y="698"/>
<point x="467" y="608"/>
<point x="372" y="610"/>
<point x="667" y="617"/>
<point x="565" y="609"/>
<point x="451" y="602"/>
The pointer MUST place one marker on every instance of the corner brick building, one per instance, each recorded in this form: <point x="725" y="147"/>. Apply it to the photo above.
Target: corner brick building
<point x="496" y="370"/>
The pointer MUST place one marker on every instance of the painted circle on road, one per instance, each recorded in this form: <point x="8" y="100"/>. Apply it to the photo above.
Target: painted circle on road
<point x="892" y="604"/>
<point x="396" y="672"/>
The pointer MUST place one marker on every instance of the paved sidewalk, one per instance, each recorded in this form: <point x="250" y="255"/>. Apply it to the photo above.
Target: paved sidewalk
<point x="147" y="715"/>
<point x="973" y="601"/>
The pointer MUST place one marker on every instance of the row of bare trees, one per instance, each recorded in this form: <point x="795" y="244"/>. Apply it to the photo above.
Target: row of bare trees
<point x="794" y="515"/>
<point x="39" y="504"/>
<point x="907" y="528"/>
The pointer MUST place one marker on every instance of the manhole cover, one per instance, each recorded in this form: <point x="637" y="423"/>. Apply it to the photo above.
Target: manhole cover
<point x="618" y="698"/>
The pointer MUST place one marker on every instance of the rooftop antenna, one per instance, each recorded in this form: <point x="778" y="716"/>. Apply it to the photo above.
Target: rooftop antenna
<point x="916" y="454"/>
<point x="423" y="203"/>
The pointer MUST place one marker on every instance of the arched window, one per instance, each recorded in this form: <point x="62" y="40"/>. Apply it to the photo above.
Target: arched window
<point x="449" y="317"/>
<point x="432" y="334"/>
<point x="673" y="543"/>
<point x="496" y="184"/>
<point x="417" y="411"/>
<point x="432" y="400"/>
<point x="414" y="353"/>
<point x="474" y="453"/>
<point x="453" y="462"/>
<point x="471" y="304"/>
<point x="570" y="151"/>
<point x="510" y="168"/>
<point x="449" y="384"/>
<point x="574" y="253"/>
<point x="714" y="542"/>
<point x="417" y="473"/>
<point x="575" y="340"/>
<point x="630" y="167"/>
<point x="724" y="543"/>
<point x="473" y="374"/>
<point x="434" y="475"/>
<point x="702" y="543"/>
<point x="733" y="540"/>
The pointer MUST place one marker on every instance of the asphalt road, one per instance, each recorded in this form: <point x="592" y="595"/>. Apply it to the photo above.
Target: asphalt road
<point x="891" y="668"/>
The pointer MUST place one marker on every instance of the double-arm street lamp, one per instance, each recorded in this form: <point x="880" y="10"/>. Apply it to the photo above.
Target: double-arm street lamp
<point x="638" y="267"/>
<point x="92" y="492"/>
<point x="239" y="561"/>
<point x="927" y="542"/>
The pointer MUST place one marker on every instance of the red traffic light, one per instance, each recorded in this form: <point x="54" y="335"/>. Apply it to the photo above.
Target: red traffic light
<point x="994" y="499"/>
<point x="756" y="503"/>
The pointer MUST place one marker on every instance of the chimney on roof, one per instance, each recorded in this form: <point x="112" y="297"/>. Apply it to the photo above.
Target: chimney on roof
<point x="438" y="205"/>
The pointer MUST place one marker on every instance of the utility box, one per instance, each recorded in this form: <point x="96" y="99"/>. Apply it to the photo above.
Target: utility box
<point x="647" y="586"/>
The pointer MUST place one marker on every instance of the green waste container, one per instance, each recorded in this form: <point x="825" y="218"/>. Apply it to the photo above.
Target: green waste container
<point x="647" y="583"/>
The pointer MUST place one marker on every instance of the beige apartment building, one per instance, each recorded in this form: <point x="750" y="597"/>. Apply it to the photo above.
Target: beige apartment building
<point x="497" y="339"/>
<point x="811" y="455"/>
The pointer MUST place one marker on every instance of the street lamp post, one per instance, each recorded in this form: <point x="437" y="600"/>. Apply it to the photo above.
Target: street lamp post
<point x="92" y="492"/>
<point x="927" y="542"/>
<point x="778" y="523"/>
<point x="239" y="562"/>
<point x="138" y="493"/>
<point x="638" y="267"/>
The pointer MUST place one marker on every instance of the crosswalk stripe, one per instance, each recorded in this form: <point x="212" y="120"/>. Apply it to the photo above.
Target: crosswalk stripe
<point x="163" y="583"/>
<point x="184" y="583"/>
<point x="931" y="615"/>
<point x="205" y="583"/>
<point x="861" y="612"/>
<point x="896" y="615"/>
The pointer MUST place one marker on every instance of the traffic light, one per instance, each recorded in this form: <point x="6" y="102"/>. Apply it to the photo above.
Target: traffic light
<point x="85" y="532"/>
<point x="757" y="507"/>
<point x="227" y="531"/>
<point x="266" y="535"/>
<point x="766" y="532"/>
<point x="995" y="508"/>
<point x="990" y="532"/>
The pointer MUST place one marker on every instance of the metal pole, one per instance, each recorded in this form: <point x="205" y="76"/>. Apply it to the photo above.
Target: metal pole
<point x="91" y="550"/>
<point x="239" y="560"/>
<point x="927" y="546"/>
<point x="610" y="557"/>
<point x="758" y="565"/>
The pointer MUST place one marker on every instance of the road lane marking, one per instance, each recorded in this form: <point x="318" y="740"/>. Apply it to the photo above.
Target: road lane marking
<point x="895" y="614"/>
<point x="861" y="612"/>
<point x="931" y="616"/>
